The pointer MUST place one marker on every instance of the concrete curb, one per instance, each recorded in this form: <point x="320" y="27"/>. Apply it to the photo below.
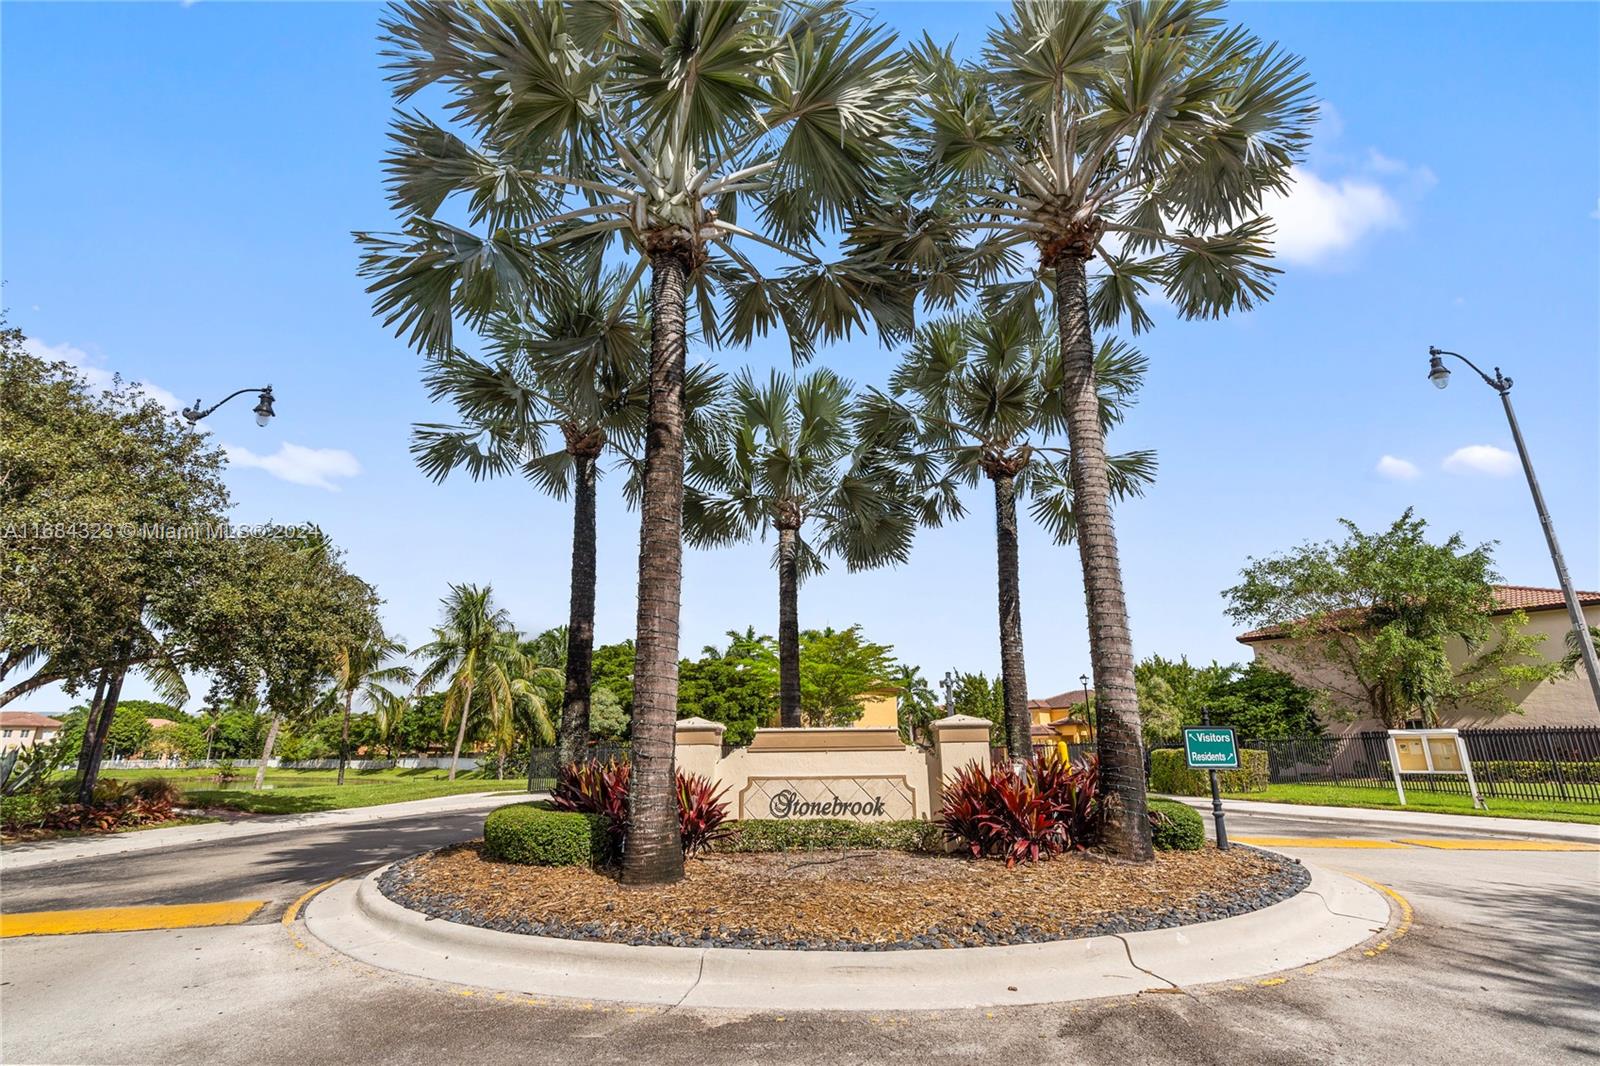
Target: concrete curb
<point x="1412" y="821"/>
<point x="1334" y="913"/>
<point x="48" y="852"/>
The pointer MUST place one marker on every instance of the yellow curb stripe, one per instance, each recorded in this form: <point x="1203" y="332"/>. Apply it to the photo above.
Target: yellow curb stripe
<point x="128" y="919"/>
<point x="1503" y="845"/>
<point x="294" y="908"/>
<point x="1406" y="913"/>
<point x="1317" y="842"/>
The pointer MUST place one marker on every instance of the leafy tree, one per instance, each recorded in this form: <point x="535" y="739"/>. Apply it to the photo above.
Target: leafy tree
<point x="1382" y="608"/>
<point x="659" y="124"/>
<point x="736" y="685"/>
<point x="976" y="695"/>
<point x="836" y="668"/>
<point x="790" y="460"/>
<point x="984" y="396"/>
<point x="182" y="739"/>
<point x="359" y="670"/>
<point x="1146" y="136"/>
<point x="477" y="654"/>
<point x="613" y="670"/>
<point x="607" y="720"/>
<point x="1258" y="702"/>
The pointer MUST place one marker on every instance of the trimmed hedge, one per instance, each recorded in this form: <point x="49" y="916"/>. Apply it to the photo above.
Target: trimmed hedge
<point x="1175" y="826"/>
<point x="534" y="835"/>
<point x="1169" y="774"/>
<point x="1535" y="770"/>
<point x="823" y="834"/>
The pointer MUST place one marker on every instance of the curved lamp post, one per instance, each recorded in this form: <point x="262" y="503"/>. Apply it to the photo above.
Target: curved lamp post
<point x="263" y="408"/>
<point x="1439" y="374"/>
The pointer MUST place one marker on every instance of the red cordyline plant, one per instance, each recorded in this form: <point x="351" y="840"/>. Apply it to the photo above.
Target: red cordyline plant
<point x="602" y="788"/>
<point x="1047" y="809"/>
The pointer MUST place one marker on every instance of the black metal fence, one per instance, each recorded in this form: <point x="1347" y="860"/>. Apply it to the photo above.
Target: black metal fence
<point x="1541" y="763"/>
<point x="545" y="761"/>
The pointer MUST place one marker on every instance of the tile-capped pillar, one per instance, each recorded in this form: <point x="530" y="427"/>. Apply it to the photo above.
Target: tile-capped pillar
<point x="699" y="747"/>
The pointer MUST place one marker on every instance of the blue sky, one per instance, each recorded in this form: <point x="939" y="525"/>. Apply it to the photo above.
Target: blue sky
<point x="180" y="183"/>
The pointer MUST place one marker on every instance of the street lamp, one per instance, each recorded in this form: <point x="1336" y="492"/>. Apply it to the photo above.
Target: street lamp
<point x="949" y="684"/>
<point x="263" y="408"/>
<point x="1439" y="374"/>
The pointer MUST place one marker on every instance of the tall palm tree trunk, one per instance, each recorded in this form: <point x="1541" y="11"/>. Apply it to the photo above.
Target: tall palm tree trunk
<point x="580" y="619"/>
<point x="266" y="749"/>
<point x="344" y="733"/>
<point x="461" y="731"/>
<point x="788" y="628"/>
<point x="653" y="852"/>
<point x="1013" y="671"/>
<point x="1121" y="751"/>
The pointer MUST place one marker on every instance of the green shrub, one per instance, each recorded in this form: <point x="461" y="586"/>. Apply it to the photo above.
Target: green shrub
<point x="1175" y="826"/>
<point x="1573" y="773"/>
<point x="27" y="810"/>
<point x="823" y="834"/>
<point x="1169" y="774"/>
<point x="534" y="835"/>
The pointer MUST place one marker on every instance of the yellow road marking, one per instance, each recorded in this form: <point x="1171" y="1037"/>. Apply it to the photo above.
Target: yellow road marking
<point x="1406" y="913"/>
<point x="128" y="919"/>
<point x="294" y="908"/>
<point x="1502" y="845"/>
<point x="1317" y="842"/>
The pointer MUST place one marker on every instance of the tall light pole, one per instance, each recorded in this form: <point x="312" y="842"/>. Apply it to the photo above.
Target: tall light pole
<point x="1088" y="716"/>
<point x="1439" y="374"/>
<point x="949" y="683"/>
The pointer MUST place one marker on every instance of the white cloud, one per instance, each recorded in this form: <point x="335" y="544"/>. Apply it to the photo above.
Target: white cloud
<point x="1317" y="219"/>
<point x="97" y="376"/>
<point x="1396" y="469"/>
<point x="298" y="464"/>
<point x="1481" y="459"/>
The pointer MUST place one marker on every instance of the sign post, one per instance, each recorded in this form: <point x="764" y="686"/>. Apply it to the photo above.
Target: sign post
<point x="1212" y="750"/>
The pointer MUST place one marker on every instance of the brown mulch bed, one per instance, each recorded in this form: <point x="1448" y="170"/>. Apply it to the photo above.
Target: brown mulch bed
<point x="856" y="900"/>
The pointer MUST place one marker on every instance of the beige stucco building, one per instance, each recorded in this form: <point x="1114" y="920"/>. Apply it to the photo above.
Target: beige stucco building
<point x="23" y="729"/>
<point x="1565" y="702"/>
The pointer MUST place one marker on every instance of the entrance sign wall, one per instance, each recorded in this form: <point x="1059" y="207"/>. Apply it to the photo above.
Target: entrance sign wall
<point x="864" y="774"/>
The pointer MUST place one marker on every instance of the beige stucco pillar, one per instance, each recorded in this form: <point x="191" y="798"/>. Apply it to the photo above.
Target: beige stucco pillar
<point x="699" y="747"/>
<point x="959" y="740"/>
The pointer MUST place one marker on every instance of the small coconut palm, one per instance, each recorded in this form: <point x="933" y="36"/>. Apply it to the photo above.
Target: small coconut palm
<point x="477" y="655"/>
<point x="359" y="671"/>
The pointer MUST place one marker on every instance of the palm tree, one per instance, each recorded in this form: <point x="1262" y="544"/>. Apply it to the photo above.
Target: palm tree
<point x="1146" y="135"/>
<point x="985" y="394"/>
<point x="527" y="712"/>
<point x="359" y="670"/>
<point x="478" y="653"/>
<point x="917" y="704"/>
<point x="559" y="367"/>
<point x="790" y="459"/>
<point x="690" y="131"/>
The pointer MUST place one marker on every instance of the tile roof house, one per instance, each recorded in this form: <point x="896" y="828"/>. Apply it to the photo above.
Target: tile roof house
<point x="1059" y="717"/>
<point x="22" y="729"/>
<point x="1566" y="702"/>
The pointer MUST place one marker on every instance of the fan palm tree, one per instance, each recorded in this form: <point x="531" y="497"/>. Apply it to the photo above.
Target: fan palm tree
<point x="985" y="394"/>
<point x="692" y="132"/>
<point x="477" y="654"/>
<point x="559" y="368"/>
<point x="789" y="460"/>
<point x="1146" y="136"/>
<point x="359" y="670"/>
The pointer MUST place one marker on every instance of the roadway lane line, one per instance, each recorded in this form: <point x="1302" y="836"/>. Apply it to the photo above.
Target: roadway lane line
<point x="294" y="908"/>
<point x="128" y="919"/>
<point x="1500" y="845"/>
<point x="1317" y="842"/>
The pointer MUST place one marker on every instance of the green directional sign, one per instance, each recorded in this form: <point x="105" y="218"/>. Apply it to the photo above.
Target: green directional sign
<point x="1210" y="748"/>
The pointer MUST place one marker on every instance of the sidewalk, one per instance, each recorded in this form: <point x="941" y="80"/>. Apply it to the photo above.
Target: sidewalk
<point x="46" y="852"/>
<point x="1412" y="821"/>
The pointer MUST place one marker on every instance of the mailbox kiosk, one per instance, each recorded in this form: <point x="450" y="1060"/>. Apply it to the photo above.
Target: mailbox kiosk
<point x="1430" y="751"/>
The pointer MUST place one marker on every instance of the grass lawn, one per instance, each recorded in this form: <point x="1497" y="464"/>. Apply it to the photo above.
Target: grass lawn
<point x="1429" y="802"/>
<point x="304" y="791"/>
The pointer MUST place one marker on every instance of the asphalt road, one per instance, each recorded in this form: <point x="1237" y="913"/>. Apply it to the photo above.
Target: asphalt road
<point x="1501" y="965"/>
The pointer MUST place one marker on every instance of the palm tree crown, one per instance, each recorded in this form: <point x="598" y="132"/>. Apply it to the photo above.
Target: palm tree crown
<point x="477" y="654"/>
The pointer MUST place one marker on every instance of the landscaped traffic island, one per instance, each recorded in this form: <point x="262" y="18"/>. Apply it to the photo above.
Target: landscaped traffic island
<point x="846" y="899"/>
